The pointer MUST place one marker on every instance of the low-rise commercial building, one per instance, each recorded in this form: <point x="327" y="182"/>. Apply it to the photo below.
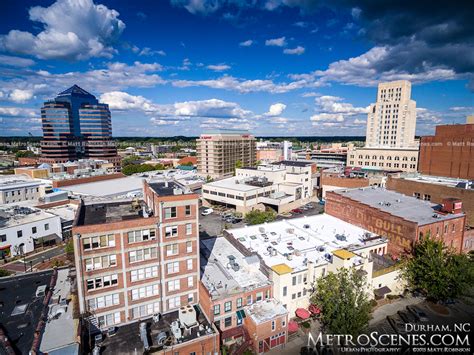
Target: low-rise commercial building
<point x="281" y="186"/>
<point x="402" y="219"/>
<point x="18" y="188"/>
<point x="236" y="295"/>
<point x="297" y="252"/>
<point x="384" y="159"/>
<point x="24" y="228"/>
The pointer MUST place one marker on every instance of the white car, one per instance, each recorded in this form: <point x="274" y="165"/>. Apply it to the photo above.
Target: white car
<point x="207" y="212"/>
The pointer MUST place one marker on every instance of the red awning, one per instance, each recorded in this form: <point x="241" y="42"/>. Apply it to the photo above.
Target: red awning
<point x="314" y="309"/>
<point x="5" y="247"/>
<point x="292" y="326"/>
<point x="302" y="313"/>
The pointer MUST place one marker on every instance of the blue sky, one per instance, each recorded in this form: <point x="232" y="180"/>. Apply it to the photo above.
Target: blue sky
<point x="274" y="67"/>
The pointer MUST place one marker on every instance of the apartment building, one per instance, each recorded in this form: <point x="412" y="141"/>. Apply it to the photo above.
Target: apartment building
<point x="297" y="252"/>
<point x="219" y="152"/>
<point x="390" y="137"/>
<point x="236" y="294"/>
<point x="135" y="259"/>
<point x="282" y="186"/>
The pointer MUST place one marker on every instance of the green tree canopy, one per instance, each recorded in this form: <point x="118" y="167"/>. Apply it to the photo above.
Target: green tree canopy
<point x="440" y="273"/>
<point x="259" y="217"/>
<point x="344" y="303"/>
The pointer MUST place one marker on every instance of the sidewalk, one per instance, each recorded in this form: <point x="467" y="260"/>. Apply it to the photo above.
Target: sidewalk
<point x="389" y="309"/>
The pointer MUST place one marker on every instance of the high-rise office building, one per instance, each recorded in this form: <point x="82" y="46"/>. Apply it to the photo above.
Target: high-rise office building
<point x="221" y="151"/>
<point x="390" y="139"/>
<point x="76" y="125"/>
<point x="391" y="121"/>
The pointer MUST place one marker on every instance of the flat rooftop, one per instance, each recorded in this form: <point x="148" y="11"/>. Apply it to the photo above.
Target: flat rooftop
<point x="438" y="180"/>
<point x="17" y="214"/>
<point x="307" y="239"/>
<point x="232" y="183"/>
<point x="265" y="310"/>
<point x="168" y="188"/>
<point x="20" y="308"/>
<point x="9" y="182"/>
<point x="397" y="204"/>
<point x="120" y="187"/>
<point x="108" y="212"/>
<point x="65" y="212"/>
<point x="294" y="163"/>
<point x="127" y="339"/>
<point x="220" y="275"/>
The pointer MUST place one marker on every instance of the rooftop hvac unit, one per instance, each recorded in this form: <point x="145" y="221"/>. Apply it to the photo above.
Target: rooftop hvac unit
<point x="176" y="330"/>
<point x="161" y="338"/>
<point x="144" y="335"/>
<point x="187" y="316"/>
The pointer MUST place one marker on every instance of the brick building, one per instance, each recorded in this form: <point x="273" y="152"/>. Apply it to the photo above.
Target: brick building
<point x="136" y="259"/>
<point x="403" y="220"/>
<point x="449" y="152"/>
<point x="236" y="294"/>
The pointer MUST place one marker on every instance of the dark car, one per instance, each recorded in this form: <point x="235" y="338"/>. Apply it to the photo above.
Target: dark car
<point x="297" y="210"/>
<point x="420" y="315"/>
<point x="236" y="220"/>
<point x="407" y="317"/>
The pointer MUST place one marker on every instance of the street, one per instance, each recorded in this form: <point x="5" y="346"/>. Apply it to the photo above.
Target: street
<point x="18" y="266"/>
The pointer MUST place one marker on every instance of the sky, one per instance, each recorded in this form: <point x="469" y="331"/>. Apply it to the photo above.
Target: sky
<point x="273" y="67"/>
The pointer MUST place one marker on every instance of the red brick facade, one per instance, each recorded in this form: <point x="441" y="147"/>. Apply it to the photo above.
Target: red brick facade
<point x="85" y="180"/>
<point x="400" y="232"/>
<point x="450" y="152"/>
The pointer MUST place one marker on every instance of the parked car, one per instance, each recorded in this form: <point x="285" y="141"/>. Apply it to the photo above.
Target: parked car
<point x="397" y="324"/>
<point x="297" y="211"/>
<point x="236" y="220"/>
<point x="420" y="315"/>
<point x="406" y="317"/>
<point x="207" y="212"/>
<point x="310" y="205"/>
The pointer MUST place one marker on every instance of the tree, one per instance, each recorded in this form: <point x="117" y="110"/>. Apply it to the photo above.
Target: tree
<point x="209" y="178"/>
<point x="342" y="298"/>
<point x="25" y="154"/>
<point x="238" y="164"/>
<point x="440" y="273"/>
<point x="4" y="273"/>
<point x="258" y="217"/>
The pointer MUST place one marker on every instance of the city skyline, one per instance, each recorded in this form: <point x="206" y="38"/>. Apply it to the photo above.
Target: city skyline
<point x="282" y="68"/>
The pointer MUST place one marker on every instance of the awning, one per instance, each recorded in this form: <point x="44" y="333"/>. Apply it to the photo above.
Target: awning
<point x="302" y="313"/>
<point x="241" y="314"/>
<point x="314" y="309"/>
<point x="381" y="292"/>
<point x="5" y="247"/>
<point x="47" y="238"/>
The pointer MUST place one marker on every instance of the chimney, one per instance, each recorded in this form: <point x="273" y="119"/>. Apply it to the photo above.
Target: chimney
<point x="452" y="205"/>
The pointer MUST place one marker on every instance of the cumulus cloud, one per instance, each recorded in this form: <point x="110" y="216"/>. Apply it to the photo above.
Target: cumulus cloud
<point x="17" y="111"/>
<point x="333" y="109"/>
<point x="276" y="42"/>
<point x="218" y="67"/>
<point x="147" y="51"/>
<point x="295" y="51"/>
<point x="15" y="61"/>
<point x="246" y="43"/>
<point x="276" y="110"/>
<point x="20" y="96"/>
<point x="72" y="30"/>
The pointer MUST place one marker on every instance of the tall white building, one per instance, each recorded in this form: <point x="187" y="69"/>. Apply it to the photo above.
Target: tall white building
<point x="391" y="121"/>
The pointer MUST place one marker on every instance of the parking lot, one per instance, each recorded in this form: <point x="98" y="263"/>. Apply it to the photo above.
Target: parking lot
<point x="213" y="224"/>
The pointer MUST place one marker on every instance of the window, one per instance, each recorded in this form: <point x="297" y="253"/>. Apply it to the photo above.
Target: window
<point x="190" y="281"/>
<point x="239" y="302"/>
<point x="189" y="229"/>
<point x="171" y="231"/>
<point x="102" y="241"/>
<point x="273" y="325"/>
<point x="285" y="291"/>
<point x="189" y="264"/>
<point x="143" y="274"/>
<point x="283" y="323"/>
<point x="417" y="195"/>
<point x="144" y="292"/>
<point x="141" y="235"/>
<point x="145" y="310"/>
<point x="189" y="247"/>
<point x="104" y="301"/>
<point x="173" y="267"/>
<point x="188" y="210"/>
<point x="108" y="319"/>
<point x="228" y="322"/>
<point x="33" y="230"/>
<point x="100" y="282"/>
<point x="3" y="238"/>
<point x="259" y="296"/>
<point x="174" y="302"/>
<point x="173" y="285"/>
<point x="249" y="299"/>
<point x="100" y="262"/>
<point x="142" y="254"/>
<point x="427" y="197"/>
<point x="170" y="212"/>
<point x="172" y="249"/>
<point x="217" y="309"/>
<point x="228" y="306"/>
<point x="294" y="281"/>
<point x="46" y="227"/>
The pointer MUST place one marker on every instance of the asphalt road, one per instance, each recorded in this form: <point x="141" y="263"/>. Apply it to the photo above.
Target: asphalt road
<point x="33" y="260"/>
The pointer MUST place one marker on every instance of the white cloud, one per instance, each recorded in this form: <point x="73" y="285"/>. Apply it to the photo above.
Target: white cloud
<point x="327" y="117"/>
<point x="361" y="122"/>
<point x="147" y="51"/>
<point x="276" y="110"/>
<point x="218" y="67"/>
<point x="73" y="30"/>
<point x="246" y="43"/>
<point x="118" y="100"/>
<point x="295" y="51"/>
<point x="163" y="122"/>
<point x="18" y="95"/>
<point x="333" y="104"/>
<point x="17" y="111"/>
<point x="15" y="61"/>
<point x="276" y="42"/>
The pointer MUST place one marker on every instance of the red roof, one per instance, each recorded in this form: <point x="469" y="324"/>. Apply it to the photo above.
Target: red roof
<point x="187" y="160"/>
